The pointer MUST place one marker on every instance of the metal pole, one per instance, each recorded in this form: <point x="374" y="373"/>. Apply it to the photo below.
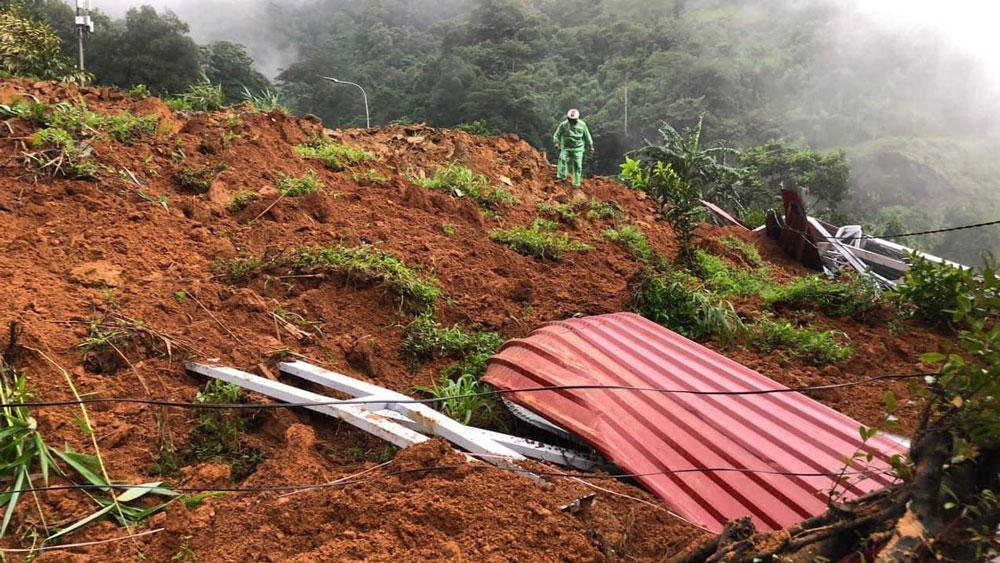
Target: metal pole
<point x="368" y="122"/>
<point x="79" y="36"/>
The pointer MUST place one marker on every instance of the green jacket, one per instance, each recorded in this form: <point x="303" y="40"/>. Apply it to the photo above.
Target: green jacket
<point x="573" y="137"/>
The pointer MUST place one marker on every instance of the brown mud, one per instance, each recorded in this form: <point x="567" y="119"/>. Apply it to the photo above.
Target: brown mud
<point x="78" y="252"/>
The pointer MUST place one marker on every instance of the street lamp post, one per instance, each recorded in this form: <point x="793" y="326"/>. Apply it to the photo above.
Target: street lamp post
<point x="368" y="122"/>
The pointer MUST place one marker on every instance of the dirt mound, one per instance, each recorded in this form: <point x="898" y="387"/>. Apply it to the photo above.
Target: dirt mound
<point x="164" y="254"/>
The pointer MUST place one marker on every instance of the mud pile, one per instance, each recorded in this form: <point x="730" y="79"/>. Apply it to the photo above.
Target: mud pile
<point x="137" y="247"/>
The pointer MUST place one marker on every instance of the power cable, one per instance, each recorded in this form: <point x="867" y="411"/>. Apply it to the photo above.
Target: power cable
<point x="432" y="400"/>
<point x="436" y="468"/>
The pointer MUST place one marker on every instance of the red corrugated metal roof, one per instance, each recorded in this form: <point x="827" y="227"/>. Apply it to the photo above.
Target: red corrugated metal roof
<point x="648" y="432"/>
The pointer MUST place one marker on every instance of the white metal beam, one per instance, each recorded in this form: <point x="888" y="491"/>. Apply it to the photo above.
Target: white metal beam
<point x="470" y="439"/>
<point x="354" y="415"/>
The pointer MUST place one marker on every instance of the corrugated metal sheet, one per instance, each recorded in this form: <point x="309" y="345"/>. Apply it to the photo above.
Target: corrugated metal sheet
<point x="649" y="432"/>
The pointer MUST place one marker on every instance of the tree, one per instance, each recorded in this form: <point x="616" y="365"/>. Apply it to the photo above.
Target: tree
<point x="775" y="164"/>
<point x="146" y="48"/>
<point x="31" y="48"/>
<point x="228" y="65"/>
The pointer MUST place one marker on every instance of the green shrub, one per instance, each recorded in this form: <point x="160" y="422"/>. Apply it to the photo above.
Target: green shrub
<point x="139" y="91"/>
<point x="633" y="239"/>
<point x="371" y="265"/>
<point x="817" y="347"/>
<point x="850" y="297"/>
<point x="665" y="298"/>
<point x="290" y="186"/>
<point x="369" y="177"/>
<point x="459" y="181"/>
<point x="31" y="48"/>
<point x="335" y="157"/>
<point x="539" y="241"/>
<point x="679" y="201"/>
<point x="477" y="127"/>
<point x="931" y="290"/>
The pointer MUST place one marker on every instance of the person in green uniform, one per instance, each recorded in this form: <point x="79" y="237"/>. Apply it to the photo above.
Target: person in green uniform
<point x="572" y="138"/>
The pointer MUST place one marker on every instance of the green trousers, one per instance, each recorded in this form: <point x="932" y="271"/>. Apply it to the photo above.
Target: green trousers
<point x="570" y="163"/>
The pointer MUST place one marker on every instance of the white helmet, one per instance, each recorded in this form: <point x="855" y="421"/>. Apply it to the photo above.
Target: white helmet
<point x="573" y="114"/>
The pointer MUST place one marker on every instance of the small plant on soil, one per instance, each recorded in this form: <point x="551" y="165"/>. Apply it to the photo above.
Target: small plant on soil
<point x="633" y="239"/>
<point x="236" y="269"/>
<point x="454" y="390"/>
<point x="202" y="96"/>
<point x="241" y="199"/>
<point x="335" y="157"/>
<point x="665" y="298"/>
<point x="218" y="438"/>
<point x="605" y="210"/>
<point x="266" y="100"/>
<point x="371" y="265"/>
<point x="426" y="339"/>
<point x="60" y="154"/>
<point x="290" y="186"/>
<point x="850" y="297"/>
<point x="139" y="91"/>
<point x="199" y="180"/>
<point x="26" y="461"/>
<point x="369" y="177"/>
<point x="459" y="181"/>
<point x="539" y="240"/>
<point x="448" y="229"/>
<point x="817" y="347"/>
<point x="565" y="212"/>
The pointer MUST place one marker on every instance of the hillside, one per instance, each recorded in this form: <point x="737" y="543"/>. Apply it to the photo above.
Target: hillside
<point x="190" y="240"/>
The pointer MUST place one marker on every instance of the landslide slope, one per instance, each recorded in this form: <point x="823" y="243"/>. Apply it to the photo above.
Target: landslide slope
<point x="187" y="244"/>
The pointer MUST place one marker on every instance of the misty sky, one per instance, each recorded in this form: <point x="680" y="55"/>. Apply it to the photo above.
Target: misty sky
<point x="971" y="24"/>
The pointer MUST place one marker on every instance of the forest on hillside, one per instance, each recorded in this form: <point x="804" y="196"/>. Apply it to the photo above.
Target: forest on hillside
<point x="918" y="121"/>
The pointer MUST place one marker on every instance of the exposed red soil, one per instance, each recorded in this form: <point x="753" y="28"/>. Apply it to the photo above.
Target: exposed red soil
<point x="75" y="252"/>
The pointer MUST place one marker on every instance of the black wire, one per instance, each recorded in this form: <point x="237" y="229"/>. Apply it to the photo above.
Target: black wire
<point x="892" y="236"/>
<point x="335" y="484"/>
<point x="432" y="400"/>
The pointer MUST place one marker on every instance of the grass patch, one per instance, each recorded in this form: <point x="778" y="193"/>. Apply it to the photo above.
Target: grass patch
<point x="747" y="251"/>
<point x="817" y="347"/>
<point x="605" y="210"/>
<point x="369" y="177"/>
<point x="290" y="186"/>
<point x="426" y="339"/>
<point x="373" y="265"/>
<point x="539" y="240"/>
<point x="199" y="180"/>
<point x="334" y="156"/>
<point x="236" y="269"/>
<point x="633" y="239"/>
<point x="850" y="297"/>
<point x="59" y="153"/>
<point x="460" y="181"/>
<point x="665" y="298"/>
<point x="725" y="281"/>
<point x="265" y="100"/>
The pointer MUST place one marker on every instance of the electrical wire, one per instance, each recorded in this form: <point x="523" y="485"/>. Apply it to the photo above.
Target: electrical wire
<point x="432" y="400"/>
<point x="892" y="236"/>
<point x="343" y="483"/>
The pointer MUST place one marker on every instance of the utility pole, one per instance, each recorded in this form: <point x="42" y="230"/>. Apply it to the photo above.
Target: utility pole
<point x="626" y="102"/>
<point x="84" y="26"/>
